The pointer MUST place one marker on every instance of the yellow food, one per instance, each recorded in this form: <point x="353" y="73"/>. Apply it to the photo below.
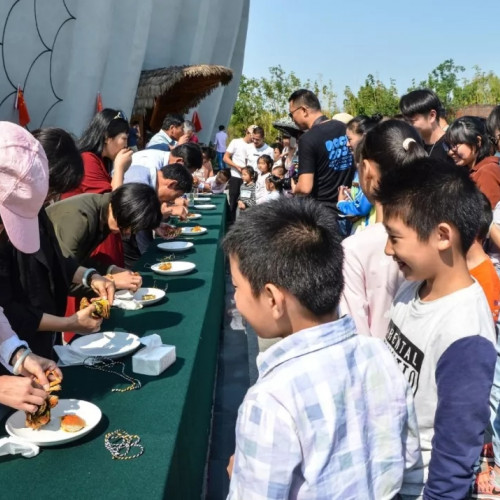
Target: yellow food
<point x="72" y="423"/>
<point x="196" y="229"/>
<point x="41" y="417"/>
<point x="166" y="266"/>
<point x="148" y="296"/>
<point x="102" y="310"/>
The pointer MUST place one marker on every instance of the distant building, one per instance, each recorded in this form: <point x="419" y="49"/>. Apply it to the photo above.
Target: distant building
<point x="481" y="110"/>
<point x="63" y="52"/>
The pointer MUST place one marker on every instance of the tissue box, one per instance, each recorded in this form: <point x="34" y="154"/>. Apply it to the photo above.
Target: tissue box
<point x="153" y="361"/>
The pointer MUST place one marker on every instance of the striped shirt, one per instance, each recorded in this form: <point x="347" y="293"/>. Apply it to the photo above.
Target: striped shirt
<point x="330" y="417"/>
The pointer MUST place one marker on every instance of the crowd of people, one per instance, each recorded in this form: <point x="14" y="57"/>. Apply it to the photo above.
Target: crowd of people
<point x="368" y="247"/>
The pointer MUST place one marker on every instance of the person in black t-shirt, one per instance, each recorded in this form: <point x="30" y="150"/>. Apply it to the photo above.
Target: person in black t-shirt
<point x="325" y="161"/>
<point x="423" y="109"/>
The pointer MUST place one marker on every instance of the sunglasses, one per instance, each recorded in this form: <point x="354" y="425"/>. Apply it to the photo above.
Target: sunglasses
<point x="293" y="111"/>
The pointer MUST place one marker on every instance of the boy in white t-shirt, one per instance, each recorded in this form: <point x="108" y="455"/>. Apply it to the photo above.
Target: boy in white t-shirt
<point x="441" y="332"/>
<point x="217" y="183"/>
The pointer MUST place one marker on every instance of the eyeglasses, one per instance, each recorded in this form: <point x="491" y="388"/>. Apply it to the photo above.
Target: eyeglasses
<point x="450" y="147"/>
<point x="293" y="111"/>
<point x="495" y="138"/>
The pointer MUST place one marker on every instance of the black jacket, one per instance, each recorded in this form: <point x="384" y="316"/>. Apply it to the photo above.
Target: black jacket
<point x="34" y="284"/>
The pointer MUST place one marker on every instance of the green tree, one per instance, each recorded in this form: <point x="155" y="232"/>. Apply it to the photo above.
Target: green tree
<point x="265" y="100"/>
<point x="444" y="80"/>
<point x="372" y="97"/>
<point x="483" y="88"/>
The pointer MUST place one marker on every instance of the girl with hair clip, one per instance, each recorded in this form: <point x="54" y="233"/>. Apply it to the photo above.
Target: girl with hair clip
<point x="352" y="202"/>
<point x="247" y="190"/>
<point x="265" y="166"/>
<point x="371" y="277"/>
<point x="469" y="146"/>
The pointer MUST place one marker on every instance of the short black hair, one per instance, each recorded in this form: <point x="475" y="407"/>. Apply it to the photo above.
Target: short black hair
<point x="486" y="218"/>
<point x="303" y="251"/>
<point x="429" y="192"/>
<point x="136" y="207"/>
<point x="422" y="102"/>
<point x="277" y="145"/>
<point x="221" y="127"/>
<point x="190" y="153"/>
<point x="226" y="172"/>
<point x="179" y="173"/>
<point x="305" y="98"/>
<point x="210" y="152"/>
<point x="385" y="145"/>
<point x="175" y="120"/>
<point x="466" y="130"/>
<point x="281" y="169"/>
<point x="65" y="162"/>
<point x="258" y="131"/>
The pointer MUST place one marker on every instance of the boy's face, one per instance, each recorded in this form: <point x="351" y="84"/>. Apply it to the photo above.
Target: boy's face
<point x="422" y="123"/>
<point x="417" y="259"/>
<point x="254" y="309"/>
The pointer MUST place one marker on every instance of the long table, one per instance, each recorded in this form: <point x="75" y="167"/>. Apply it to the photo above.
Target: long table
<point x="171" y="412"/>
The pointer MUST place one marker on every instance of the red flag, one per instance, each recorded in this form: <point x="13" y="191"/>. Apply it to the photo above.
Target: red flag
<point x="99" y="102"/>
<point x="20" y="105"/>
<point x="196" y="122"/>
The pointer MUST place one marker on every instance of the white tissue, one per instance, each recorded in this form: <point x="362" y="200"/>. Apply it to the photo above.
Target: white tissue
<point x="13" y="446"/>
<point x="130" y="305"/>
<point x="155" y="358"/>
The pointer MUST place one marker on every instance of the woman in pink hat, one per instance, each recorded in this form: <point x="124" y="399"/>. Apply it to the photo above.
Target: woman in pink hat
<point x="35" y="276"/>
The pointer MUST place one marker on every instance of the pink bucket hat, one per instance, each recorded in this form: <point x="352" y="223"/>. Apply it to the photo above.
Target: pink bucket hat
<point x="24" y="182"/>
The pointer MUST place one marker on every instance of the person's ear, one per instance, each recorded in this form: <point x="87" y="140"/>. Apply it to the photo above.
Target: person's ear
<point x="445" y="236"/>
<point x="479" y="141"/>
<point x="432" y="116"/>
<point x="170" y="184"/>
<point x="275" y="300"/>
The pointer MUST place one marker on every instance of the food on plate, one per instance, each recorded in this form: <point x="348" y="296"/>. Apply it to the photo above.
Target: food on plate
<point x="72" y="423"/>
<point x="148" y="296"/>
<point x="41" y="416"/>
<point x="165" y="266"/>
<point x="191" y="215"/>
<point x="169" y="232"/>
<point x="102" y="310"/>
<point x="196" y="229"/>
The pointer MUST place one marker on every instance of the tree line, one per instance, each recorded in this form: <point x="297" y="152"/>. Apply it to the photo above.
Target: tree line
<point x="265" y="100"/>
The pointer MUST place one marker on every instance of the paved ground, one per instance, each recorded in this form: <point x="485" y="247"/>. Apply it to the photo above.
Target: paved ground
<point x="236" y="370"/>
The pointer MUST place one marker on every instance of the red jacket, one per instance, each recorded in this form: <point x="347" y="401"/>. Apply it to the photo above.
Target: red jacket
<point x="486" y="175"/>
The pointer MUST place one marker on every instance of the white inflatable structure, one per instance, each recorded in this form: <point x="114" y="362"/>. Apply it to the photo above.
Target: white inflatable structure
<point x="63" y="52"/>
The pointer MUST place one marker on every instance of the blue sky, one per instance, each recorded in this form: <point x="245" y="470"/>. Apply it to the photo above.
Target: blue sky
<point x="345" y="41"/>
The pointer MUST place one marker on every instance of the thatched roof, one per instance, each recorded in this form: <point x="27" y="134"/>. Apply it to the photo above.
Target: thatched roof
<point x="176" y="89"/>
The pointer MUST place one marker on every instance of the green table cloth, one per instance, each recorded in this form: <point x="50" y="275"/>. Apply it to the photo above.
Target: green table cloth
<point x="171" y="412"/>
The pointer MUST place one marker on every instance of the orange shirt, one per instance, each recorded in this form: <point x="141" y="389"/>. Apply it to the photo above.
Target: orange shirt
<point x="487" y="277"/>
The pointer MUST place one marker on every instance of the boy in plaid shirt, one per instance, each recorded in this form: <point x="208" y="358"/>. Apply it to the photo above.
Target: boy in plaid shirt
<point x="331" y="416"/>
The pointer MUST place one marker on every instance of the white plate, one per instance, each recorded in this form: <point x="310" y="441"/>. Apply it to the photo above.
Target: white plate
<point x="206" y="206"/>
<point x="109" y="344"/>
<point x="52" y="434"/>
<point x="178" y="267"/>
<point x="159" y="294"/>
<point x="194" y="217"/>
<point x="175" y="246"/>
<point x="201" y="199"/>
<point x="189" y="230"/>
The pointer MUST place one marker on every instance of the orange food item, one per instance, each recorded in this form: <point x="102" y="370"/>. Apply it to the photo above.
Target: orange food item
<point x="196" y="229"/>
<point x="165" y="266"/>
<point x="72" y="423"/>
